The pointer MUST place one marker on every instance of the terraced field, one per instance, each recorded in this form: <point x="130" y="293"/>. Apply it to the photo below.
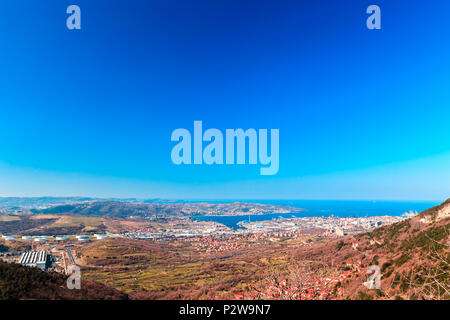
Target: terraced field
<point x="72" y="221"/>
<point x="174" y="270"/>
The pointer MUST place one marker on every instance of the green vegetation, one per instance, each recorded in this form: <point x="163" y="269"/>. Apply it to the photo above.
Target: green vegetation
<point x="375" y="260"/>
<point x="364" y="296"/>
<point x="396" y="279"/>
<point x="400" y="261"/>
<point x="16" y="281"/>
<point x="387" y="274"/>
<point x="427" y="239"/>
<point x="386" y="265"/>
<point x="19" y="282"/>
<point x="388" y="232"/>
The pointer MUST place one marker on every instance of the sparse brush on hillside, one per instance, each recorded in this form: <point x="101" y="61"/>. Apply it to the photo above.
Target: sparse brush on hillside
<point x="303" y="280"/>
<point x="420" y="265"/>
<point x="430" y="278"/>
<point x="413" y="257"/>
<point x="19" y="282"/>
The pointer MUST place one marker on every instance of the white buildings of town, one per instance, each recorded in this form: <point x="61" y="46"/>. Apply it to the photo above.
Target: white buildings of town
<point x="40" y="239"/>
<point x="83" y="238"/>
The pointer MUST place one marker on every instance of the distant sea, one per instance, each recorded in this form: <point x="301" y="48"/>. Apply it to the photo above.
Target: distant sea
<point x="326" y="208"/>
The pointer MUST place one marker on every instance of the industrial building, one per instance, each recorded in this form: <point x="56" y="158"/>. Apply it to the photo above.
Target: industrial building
<point x="83" y="238"/>
<point x="34" y="259"/>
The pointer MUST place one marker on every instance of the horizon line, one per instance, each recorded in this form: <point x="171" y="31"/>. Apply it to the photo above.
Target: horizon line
<point x="221" y="199"/>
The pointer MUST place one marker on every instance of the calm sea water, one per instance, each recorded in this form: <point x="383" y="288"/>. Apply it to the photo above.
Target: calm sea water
<point x="325" y="208"/>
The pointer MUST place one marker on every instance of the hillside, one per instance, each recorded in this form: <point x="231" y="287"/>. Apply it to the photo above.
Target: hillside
<point x="413" y="257"/>
<point x="440" y="211"/>
<point x="19" y="282"/>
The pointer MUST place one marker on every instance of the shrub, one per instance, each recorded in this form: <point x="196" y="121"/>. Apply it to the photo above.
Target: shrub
<point x="364" y="296"/>
<point x="400" y="261"/>
<point x="386" y="265"/>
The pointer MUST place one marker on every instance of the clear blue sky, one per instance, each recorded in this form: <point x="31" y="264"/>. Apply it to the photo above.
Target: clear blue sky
<point x="362" y="114"/>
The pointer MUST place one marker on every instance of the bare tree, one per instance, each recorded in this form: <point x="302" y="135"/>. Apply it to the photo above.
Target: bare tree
<point x="432" y="280"/>
<point x="306" y="278"/>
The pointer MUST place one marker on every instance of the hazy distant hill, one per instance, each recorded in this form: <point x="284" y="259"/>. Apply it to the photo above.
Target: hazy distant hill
<point x="19" y="282"/>
<point x="42" y="202"/>
<point x="37" y="202"/>
<point x="112" y="209"/>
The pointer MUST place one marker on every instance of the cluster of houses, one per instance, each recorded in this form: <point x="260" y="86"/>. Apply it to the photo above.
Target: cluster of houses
<point x="312" y="289"/>
<point x="215" y="245"/>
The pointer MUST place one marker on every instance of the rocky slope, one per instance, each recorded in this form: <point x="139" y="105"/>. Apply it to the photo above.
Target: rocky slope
<point x="413" y="258"/>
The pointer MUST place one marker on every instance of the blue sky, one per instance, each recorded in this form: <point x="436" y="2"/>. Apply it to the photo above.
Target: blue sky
<point x="362" y="114"/>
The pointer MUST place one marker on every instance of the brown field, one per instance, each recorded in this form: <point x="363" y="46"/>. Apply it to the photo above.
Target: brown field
<point x="177" y="270"/>
<point x="9" y="218"/>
